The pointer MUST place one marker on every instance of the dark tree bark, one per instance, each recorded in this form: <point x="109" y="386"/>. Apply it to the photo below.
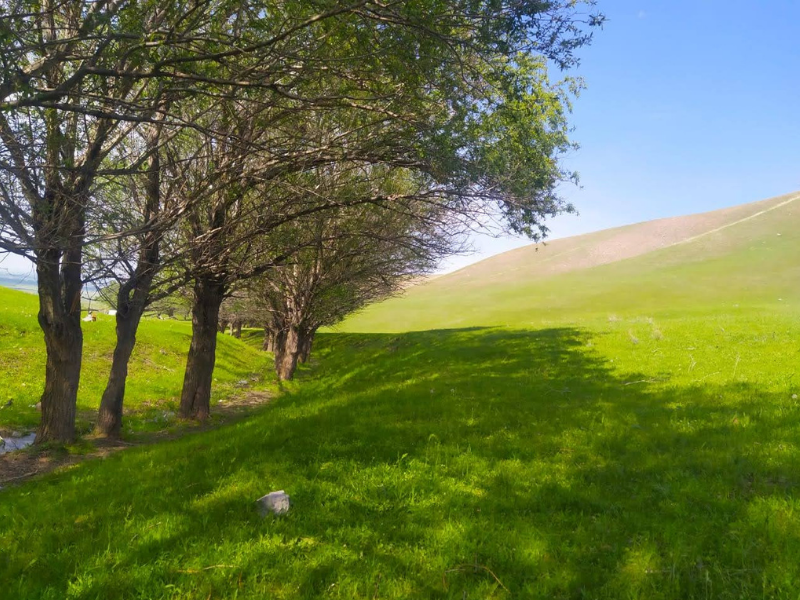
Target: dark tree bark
<point x="196" y="393"/>
<point x="269" y="340"/>
<point x="60" y="320"/>
<point x="109" y="418"/>
<point x="237" y="330"/>
<point x="272" y="334"/>
<point x="287" y="355"/>
<point x="132" y="299"/>
<point x="306" y="342"/>
<point x="131" y="303"/>
<point x="59" y="223"/>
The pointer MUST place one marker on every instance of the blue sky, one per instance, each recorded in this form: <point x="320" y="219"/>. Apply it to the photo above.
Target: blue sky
<point x="691" y="105"/>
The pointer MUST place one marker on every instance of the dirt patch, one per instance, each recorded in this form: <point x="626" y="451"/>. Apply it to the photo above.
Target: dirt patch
<point x="17" y="467"/>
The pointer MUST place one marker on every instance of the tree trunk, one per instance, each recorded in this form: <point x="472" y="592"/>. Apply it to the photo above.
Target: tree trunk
<point x="129" y="315"/>
<point x="287" y="354"/>
<point x="269" y="340"/>
<point x="306" y="342"/>
<point x="109" y="419"/>
<point x="237" y="330"/>
<point x="196" y="393"/>
<point x="60" y="320"/>
<point x="132" y="298"/>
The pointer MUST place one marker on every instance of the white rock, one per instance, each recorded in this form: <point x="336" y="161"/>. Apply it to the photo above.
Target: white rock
<point x="275" y="502"/>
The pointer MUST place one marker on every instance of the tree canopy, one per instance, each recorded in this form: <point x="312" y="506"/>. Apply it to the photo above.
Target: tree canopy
<point x="173" y="145"/>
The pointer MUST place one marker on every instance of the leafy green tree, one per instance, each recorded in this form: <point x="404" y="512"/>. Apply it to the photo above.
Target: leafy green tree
<point x="458" y="92"/>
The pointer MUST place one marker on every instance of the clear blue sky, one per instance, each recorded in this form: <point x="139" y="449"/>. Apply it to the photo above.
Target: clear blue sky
<point x="691" y="105"/>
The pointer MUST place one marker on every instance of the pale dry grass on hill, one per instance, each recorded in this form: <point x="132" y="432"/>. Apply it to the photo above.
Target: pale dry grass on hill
<point x="610" y="245"/>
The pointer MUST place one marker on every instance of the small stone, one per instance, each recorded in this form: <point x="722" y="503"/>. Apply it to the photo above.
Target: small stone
<point x="794" y="396"/>
<point x="275" y="502"/>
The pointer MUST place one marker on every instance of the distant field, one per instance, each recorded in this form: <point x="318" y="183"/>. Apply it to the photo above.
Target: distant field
<point x="628" y="429"/>
<point x="21" y="283"/>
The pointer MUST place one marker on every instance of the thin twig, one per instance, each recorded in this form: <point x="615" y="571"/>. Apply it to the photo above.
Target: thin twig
<point x="644" y="381"/>
<point x="19" y="477"/>
<point x="206" y="568"/>
<point x="462" y="567"/>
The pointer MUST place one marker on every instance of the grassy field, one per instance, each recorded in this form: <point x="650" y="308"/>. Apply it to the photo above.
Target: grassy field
<point x="627" y="431"/>
<point x="155" y="374"/>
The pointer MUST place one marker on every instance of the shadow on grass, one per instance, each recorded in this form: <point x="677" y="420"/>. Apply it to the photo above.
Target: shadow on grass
<point x="436" y="465"/>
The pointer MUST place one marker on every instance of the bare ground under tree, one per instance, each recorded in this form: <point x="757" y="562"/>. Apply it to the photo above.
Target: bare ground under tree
<point x="20" y="466"/>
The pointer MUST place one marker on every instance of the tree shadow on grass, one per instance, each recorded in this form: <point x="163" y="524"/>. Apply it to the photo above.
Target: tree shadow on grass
<point x="437" y="465"/>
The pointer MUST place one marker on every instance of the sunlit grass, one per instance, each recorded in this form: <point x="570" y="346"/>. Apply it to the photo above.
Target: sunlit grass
<point x="563" y="462"/>
<point x="630" y="431"/>
<point x="155" y="372"/>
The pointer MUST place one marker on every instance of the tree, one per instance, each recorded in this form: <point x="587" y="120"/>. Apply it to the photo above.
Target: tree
<point x="367" y="250"/>
<point x="77" y="78"/>
<point x="145" y="206"/>
<point x="457" y="91"/>
<point x="49" y="160"/>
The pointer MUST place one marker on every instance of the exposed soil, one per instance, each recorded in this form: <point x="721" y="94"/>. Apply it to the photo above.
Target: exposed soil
<point x="17" y="467"/>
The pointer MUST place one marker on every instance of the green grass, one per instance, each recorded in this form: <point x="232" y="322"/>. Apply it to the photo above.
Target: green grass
<point x="626" y="459"/>
<point x="155" y="373"/>
<point x="630" y="431"/>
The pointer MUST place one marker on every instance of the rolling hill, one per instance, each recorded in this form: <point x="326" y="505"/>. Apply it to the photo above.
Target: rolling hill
<point x="747" y="255"/>
<point x="614" y="415"/>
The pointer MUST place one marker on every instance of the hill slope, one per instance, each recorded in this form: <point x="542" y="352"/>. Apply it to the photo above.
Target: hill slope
<point x="744" y="255"/>
<point x="155" y="372"/>
<point x="652" y="455"/>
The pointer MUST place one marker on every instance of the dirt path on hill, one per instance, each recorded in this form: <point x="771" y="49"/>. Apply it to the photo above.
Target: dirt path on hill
<point x="19" y="466"/>
<point x="747" y="218"/>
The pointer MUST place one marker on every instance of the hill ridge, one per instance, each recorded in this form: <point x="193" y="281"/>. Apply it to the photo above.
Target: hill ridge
<point x="614" y="244"/>
<point x="753" y="216"/>
<point x="713" y="262"/>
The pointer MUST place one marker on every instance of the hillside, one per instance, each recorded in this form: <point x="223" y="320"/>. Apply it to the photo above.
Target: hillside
<point x="744" y="255"/>
<point x="155" y="372"/>
<point x="630" y="430"/>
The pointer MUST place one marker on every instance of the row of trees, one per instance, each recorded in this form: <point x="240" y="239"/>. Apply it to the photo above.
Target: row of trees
<point x="307" y="155"/>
